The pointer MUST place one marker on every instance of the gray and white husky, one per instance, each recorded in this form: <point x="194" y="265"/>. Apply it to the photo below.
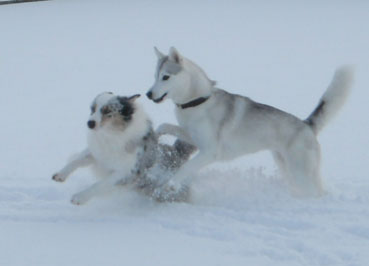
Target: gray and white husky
<point x="224" y="125"/>
<point x="123" y="149"/>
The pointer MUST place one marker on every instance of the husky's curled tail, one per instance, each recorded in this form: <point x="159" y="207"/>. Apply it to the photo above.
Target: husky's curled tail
<point x="332" y="100"/>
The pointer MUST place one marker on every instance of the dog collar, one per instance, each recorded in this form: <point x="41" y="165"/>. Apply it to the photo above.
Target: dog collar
<point x="193" y="103"/>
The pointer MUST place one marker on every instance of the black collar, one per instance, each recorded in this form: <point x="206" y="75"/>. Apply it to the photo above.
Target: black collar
<point x="193" y="103"/>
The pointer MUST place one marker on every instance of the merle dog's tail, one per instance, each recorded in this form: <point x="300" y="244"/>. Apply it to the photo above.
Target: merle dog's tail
<point x="333" y="99"/>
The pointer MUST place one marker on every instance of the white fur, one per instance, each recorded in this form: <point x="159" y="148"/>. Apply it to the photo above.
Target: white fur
<point x="335" y="95"/>
<point x="193" y="79"/>
<point x="111" y="152"/>
<point x="111" y="147"/>
<point x="227" y="126"/>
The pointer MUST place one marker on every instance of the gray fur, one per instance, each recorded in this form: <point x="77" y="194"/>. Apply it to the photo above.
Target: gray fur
<point x="227" y="125"/>
<point x="318" y="111"/>
<point x="171" y="67"/>
<point x="168" y="66"/>
<point x="156" y="163"/>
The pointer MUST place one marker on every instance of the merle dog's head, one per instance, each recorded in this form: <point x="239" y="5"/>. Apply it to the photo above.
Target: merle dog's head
<point x="111" y="111"/>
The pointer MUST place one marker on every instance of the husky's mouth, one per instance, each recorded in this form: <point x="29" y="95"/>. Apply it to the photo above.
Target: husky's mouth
<point x="160" y="99"/>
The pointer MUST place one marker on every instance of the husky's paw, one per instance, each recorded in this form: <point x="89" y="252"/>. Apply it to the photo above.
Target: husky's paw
<point x="59" y="177"/>
<point x="79" y="199"/>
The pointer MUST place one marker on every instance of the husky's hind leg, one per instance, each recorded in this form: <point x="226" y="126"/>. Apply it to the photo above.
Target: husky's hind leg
<point x="283" y="170"/>
<point x="303" y="166"/>
<point x="280" y="162"/>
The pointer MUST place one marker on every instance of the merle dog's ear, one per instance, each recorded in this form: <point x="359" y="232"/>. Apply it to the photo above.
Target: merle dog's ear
<point x="122" y="99"/>
<point x="174" y="55"/>
<point x="134" y="97"/>
<point x="159" y="54"/>
<point x="127" y="111"/>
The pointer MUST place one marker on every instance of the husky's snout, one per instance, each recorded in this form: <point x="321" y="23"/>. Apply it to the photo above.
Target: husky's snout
<point x="157" y="100"/>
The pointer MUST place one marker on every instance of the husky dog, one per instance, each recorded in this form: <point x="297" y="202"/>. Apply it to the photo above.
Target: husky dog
<point x="224" y="126"/>
<point x="123" y="149"/>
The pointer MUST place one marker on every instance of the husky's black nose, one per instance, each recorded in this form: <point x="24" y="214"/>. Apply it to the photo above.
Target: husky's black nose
<point x="91" y="124"/>
<point x="149" y="95"/>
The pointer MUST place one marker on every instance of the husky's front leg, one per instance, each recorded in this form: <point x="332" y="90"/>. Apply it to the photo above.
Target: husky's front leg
<point x="83" y="159"/>
<point x="176" y="131"/>
<point x="99" y="188"/>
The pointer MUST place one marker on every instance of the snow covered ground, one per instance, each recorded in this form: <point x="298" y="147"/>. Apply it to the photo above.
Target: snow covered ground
<point x="55" y="56"/>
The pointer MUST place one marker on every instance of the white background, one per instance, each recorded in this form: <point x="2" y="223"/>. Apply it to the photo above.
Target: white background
<point x="55" y="56"/>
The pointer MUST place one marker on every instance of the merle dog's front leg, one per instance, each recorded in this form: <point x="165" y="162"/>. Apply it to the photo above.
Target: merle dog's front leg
<point x="182" y="178"/>
<point x="99" y="188"/>
<point x="83" y="159"/>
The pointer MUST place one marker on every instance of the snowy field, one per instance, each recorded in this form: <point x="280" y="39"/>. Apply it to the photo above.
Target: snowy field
<point x="55" y="56"/>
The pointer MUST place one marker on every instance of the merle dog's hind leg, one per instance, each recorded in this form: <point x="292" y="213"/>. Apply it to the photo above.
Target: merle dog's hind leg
<point x="99" y="188"/>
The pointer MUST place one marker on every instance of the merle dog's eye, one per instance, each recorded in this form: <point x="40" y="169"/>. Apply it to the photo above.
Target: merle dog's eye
<point x="105" y="110"/>
<point x="166" y="77"/>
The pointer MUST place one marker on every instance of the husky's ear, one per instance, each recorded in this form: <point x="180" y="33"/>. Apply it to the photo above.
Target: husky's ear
<point x="134" y="97"/>
<point x="174" y="55"/>
<point x="159" y="54"/>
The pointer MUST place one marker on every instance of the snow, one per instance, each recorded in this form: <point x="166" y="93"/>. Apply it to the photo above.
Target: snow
<point x="56" y="56"/>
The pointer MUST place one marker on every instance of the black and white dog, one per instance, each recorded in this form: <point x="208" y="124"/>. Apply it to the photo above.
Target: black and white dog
<point x="123" y="149"/>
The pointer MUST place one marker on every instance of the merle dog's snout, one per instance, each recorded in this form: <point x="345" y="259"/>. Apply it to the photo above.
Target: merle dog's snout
<point x="91" y="124"/>
<point x="149" y="95"/>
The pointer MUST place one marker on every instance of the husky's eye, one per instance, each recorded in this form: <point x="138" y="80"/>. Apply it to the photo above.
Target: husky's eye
<point x="166" y="77"/>
<point x="105" y="110"/>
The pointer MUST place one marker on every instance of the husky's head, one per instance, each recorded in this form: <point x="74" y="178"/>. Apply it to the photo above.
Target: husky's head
<point x="111" y="111"/>
<point x="178" y="78"/>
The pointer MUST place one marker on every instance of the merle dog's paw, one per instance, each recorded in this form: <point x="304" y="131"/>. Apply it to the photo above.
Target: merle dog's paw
<point x="171" y="192"/>
<point x="58" y="177"/>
